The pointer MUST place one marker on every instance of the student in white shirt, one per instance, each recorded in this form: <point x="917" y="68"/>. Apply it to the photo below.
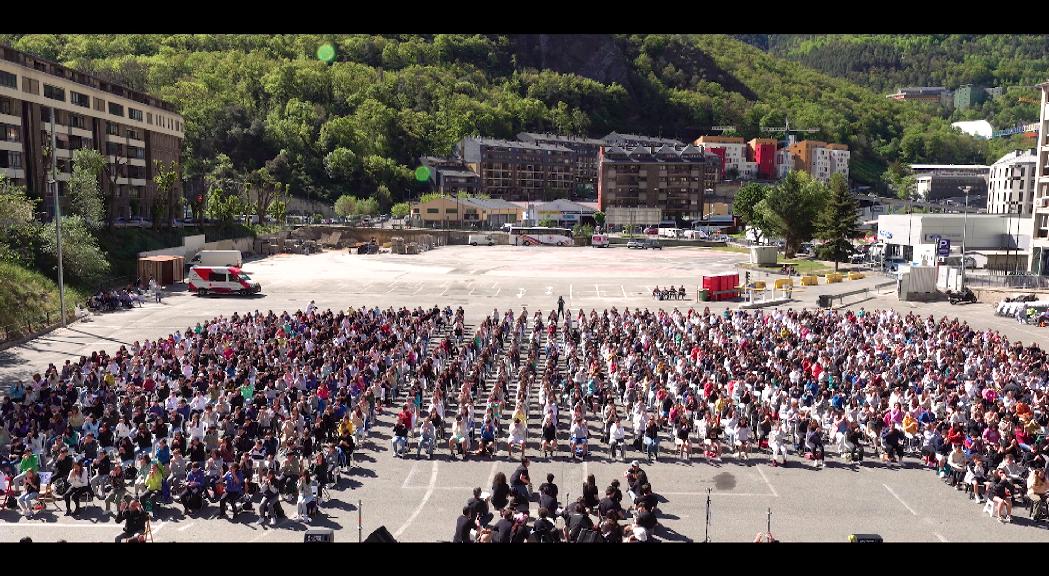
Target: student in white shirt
<point x="617" y="439"/>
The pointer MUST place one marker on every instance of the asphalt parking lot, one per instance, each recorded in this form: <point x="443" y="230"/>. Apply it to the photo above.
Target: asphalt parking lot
<point x="419" y="500"/>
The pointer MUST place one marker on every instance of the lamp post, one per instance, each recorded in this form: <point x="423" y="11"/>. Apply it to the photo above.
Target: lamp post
<point x="58" y="221"/>
<point x="965" y="228"/>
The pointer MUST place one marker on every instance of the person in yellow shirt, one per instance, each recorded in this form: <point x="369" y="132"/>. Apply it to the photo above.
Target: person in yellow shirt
<point x="346" y="427"/>
<point x="154" y="487"/>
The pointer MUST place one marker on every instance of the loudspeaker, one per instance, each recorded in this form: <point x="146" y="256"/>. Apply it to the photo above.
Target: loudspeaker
<point x="381" y="535"/>
<point x="865" y="538"/>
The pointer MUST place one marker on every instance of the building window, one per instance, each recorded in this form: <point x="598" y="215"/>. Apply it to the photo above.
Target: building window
<point x="10" y="159"/>
<point x="135" y="152"/>
<point x="100" y="105"/>
<point x="9" y="133"/>
<point x="8" y="80"/>
<point x="149" y="118"/>
<point x="112" y="129"/>
<point x="54" y="92"/>
<point x="433" y="210"/>
<point x="82" y="100"/>
<point x="116" y="109"/>
<point x="30" y="86"/>
<point x="134" y="114"/>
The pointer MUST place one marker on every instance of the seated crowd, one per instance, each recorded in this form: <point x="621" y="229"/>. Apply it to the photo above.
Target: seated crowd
<point x="259" y="406"/>
<point x="235" y="411"/>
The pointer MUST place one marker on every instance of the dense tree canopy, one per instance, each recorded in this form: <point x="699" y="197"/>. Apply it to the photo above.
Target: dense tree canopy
<point x="362" y="120"/>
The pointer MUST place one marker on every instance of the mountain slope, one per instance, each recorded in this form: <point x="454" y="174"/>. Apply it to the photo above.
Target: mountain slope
<point x="358" y="124"/>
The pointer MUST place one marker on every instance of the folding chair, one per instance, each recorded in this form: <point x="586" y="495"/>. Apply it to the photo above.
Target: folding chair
<point x="47" y="495"/>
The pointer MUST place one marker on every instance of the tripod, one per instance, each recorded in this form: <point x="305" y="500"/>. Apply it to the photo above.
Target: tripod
<point x="706" y="530"/>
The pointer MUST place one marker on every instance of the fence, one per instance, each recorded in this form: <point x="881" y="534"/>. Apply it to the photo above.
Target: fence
<point x="827" y="300"/>
<point x="1008" y="280"/>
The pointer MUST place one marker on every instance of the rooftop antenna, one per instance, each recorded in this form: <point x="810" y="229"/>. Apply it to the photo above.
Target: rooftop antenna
<point x="788" y="131"/>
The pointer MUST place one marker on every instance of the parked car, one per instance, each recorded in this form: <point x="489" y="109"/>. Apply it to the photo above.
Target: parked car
<point x="653" y="245"/>
<point x="485" y="239"/>
<point x="639" y="244"/>
<point x="599" y="240"/>
<point x="652" y="231"/>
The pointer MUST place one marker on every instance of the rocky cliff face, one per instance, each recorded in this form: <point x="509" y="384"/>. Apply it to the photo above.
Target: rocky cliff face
<point x="594" y="56"/>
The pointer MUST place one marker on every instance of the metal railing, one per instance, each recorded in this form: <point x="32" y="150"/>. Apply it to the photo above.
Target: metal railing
<point x="1008" y="280"/>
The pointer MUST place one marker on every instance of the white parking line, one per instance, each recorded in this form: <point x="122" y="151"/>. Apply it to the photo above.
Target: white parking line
<point x="393" y="286"/>
<point x="409" y="476"/>
<point x="940" y="537"/>
<point x="569" y="290"/>
<point x="715" y="493"/>
<point x="497" y="292"/>
<point x="422" y="503"/>
<point x="620" y="287"/>
<point x="598" y="290"/>
<point x="767" y="483"/>
<point x="491" y="476"/>
<point x="419" y="289"/>
<point x="186" y="527"/>
<point x="897" y="497"/>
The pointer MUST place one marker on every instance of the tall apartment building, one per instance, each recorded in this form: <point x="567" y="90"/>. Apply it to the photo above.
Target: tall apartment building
<point x="820" y="159"/>
<point x="451" y="176"/>
<point x="784" y="163"/>
<point x="1040" y="234"/>
<point x="671" y="179"/>
<point x="586" y="152"/>
<point x="130" y="129"/>
<point x="1010" y="183"/>
<point x="762" y="151"/>
<point x="519" y="170"/>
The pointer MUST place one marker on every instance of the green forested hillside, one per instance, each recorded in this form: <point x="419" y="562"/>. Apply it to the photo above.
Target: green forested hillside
<point x="363" y="119"/>
<point x="885" y="62"/>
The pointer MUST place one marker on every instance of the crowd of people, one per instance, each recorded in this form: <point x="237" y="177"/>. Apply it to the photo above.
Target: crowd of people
<point x="248" y="410"/>
<point x="971" y="404"/>
<point x="260" y="409"/>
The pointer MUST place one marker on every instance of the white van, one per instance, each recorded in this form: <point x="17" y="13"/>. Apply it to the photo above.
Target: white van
<point x="218" y="258"/>
<point x="206" y="280"/>
<point x="599" y="241"/>
<point x="485" y="239"/>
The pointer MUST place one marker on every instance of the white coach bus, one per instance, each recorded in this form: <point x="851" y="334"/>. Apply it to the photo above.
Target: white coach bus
<point x="540" y="235"/>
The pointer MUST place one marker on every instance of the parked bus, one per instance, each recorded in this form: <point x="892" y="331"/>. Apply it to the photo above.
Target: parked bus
<point x="540" y="235"/>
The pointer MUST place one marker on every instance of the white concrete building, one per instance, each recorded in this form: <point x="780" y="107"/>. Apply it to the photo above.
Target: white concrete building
<point x="1010" y="183"/>
<point x="1040" y="209"/>
<point x="735" y="153"/>
<point x="997" y="241"/>
<point x="839" y="162"/>
<point x="784" y="162"/>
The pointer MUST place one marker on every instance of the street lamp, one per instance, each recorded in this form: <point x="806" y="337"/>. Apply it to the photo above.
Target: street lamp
<point x="965" y="228"/>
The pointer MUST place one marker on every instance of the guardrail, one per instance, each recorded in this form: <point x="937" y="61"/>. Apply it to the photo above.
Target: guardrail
<point x="827" y="300"/>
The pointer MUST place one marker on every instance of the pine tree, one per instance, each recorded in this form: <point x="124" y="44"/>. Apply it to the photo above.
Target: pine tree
<point x="837" y="222"/>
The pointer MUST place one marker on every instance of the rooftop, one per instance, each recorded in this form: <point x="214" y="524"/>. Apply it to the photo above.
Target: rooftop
<point x="55" y="69"/>
<point x="535" y="136"/>
<point x="516" y="144"/>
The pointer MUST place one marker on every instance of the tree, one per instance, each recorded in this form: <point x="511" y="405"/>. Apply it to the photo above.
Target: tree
<point x="383" y="198"/>
<point x="584" y="231"/>
<point x="400" y="210"/>
<point x="85" y="196"/>
<point x="548" y="222"/>
<point x="790" y="209"/>
<point x="599" y="218"/>
<point x="900" y="180"/>
<point x="837" y="222"/>
<point x="166" y="198"/>
<point x="223" y="207"/>
<point x="346" y="205"/>
<point x="18" y="226"/>
<point x="83" y="262"/>
<point x="367" y="207"/>
<point x="747" y="198"/>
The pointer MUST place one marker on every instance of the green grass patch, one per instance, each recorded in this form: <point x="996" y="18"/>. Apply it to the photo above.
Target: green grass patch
<point x="29" y="300"/>
<point x="731" y="248"/>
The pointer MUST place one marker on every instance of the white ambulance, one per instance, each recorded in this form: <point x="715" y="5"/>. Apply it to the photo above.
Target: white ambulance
<point x="206" y="280"/>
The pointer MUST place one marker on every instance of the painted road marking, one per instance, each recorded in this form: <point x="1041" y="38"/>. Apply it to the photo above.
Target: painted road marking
<point x="897" y="497"/>
<point x="186" y="527"/>
<point x="409" y="476"/>
<point x="767" y="483"/>
<point x="422" y="503"/>
<point x="940" y="537"/>
<point x="621" y="287"/>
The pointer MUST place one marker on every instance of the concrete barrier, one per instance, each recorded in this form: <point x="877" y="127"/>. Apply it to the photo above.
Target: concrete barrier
<point x="809" y="281"/>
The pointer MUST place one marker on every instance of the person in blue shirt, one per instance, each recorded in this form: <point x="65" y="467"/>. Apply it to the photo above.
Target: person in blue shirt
<point x="234" y="490"/>
<point x="193" y="495"/>
<point x="163" y="454"/>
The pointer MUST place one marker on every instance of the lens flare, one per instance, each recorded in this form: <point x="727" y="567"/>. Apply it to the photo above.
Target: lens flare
<point x="326" y="52"/>
<point x="422" y="173"/>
